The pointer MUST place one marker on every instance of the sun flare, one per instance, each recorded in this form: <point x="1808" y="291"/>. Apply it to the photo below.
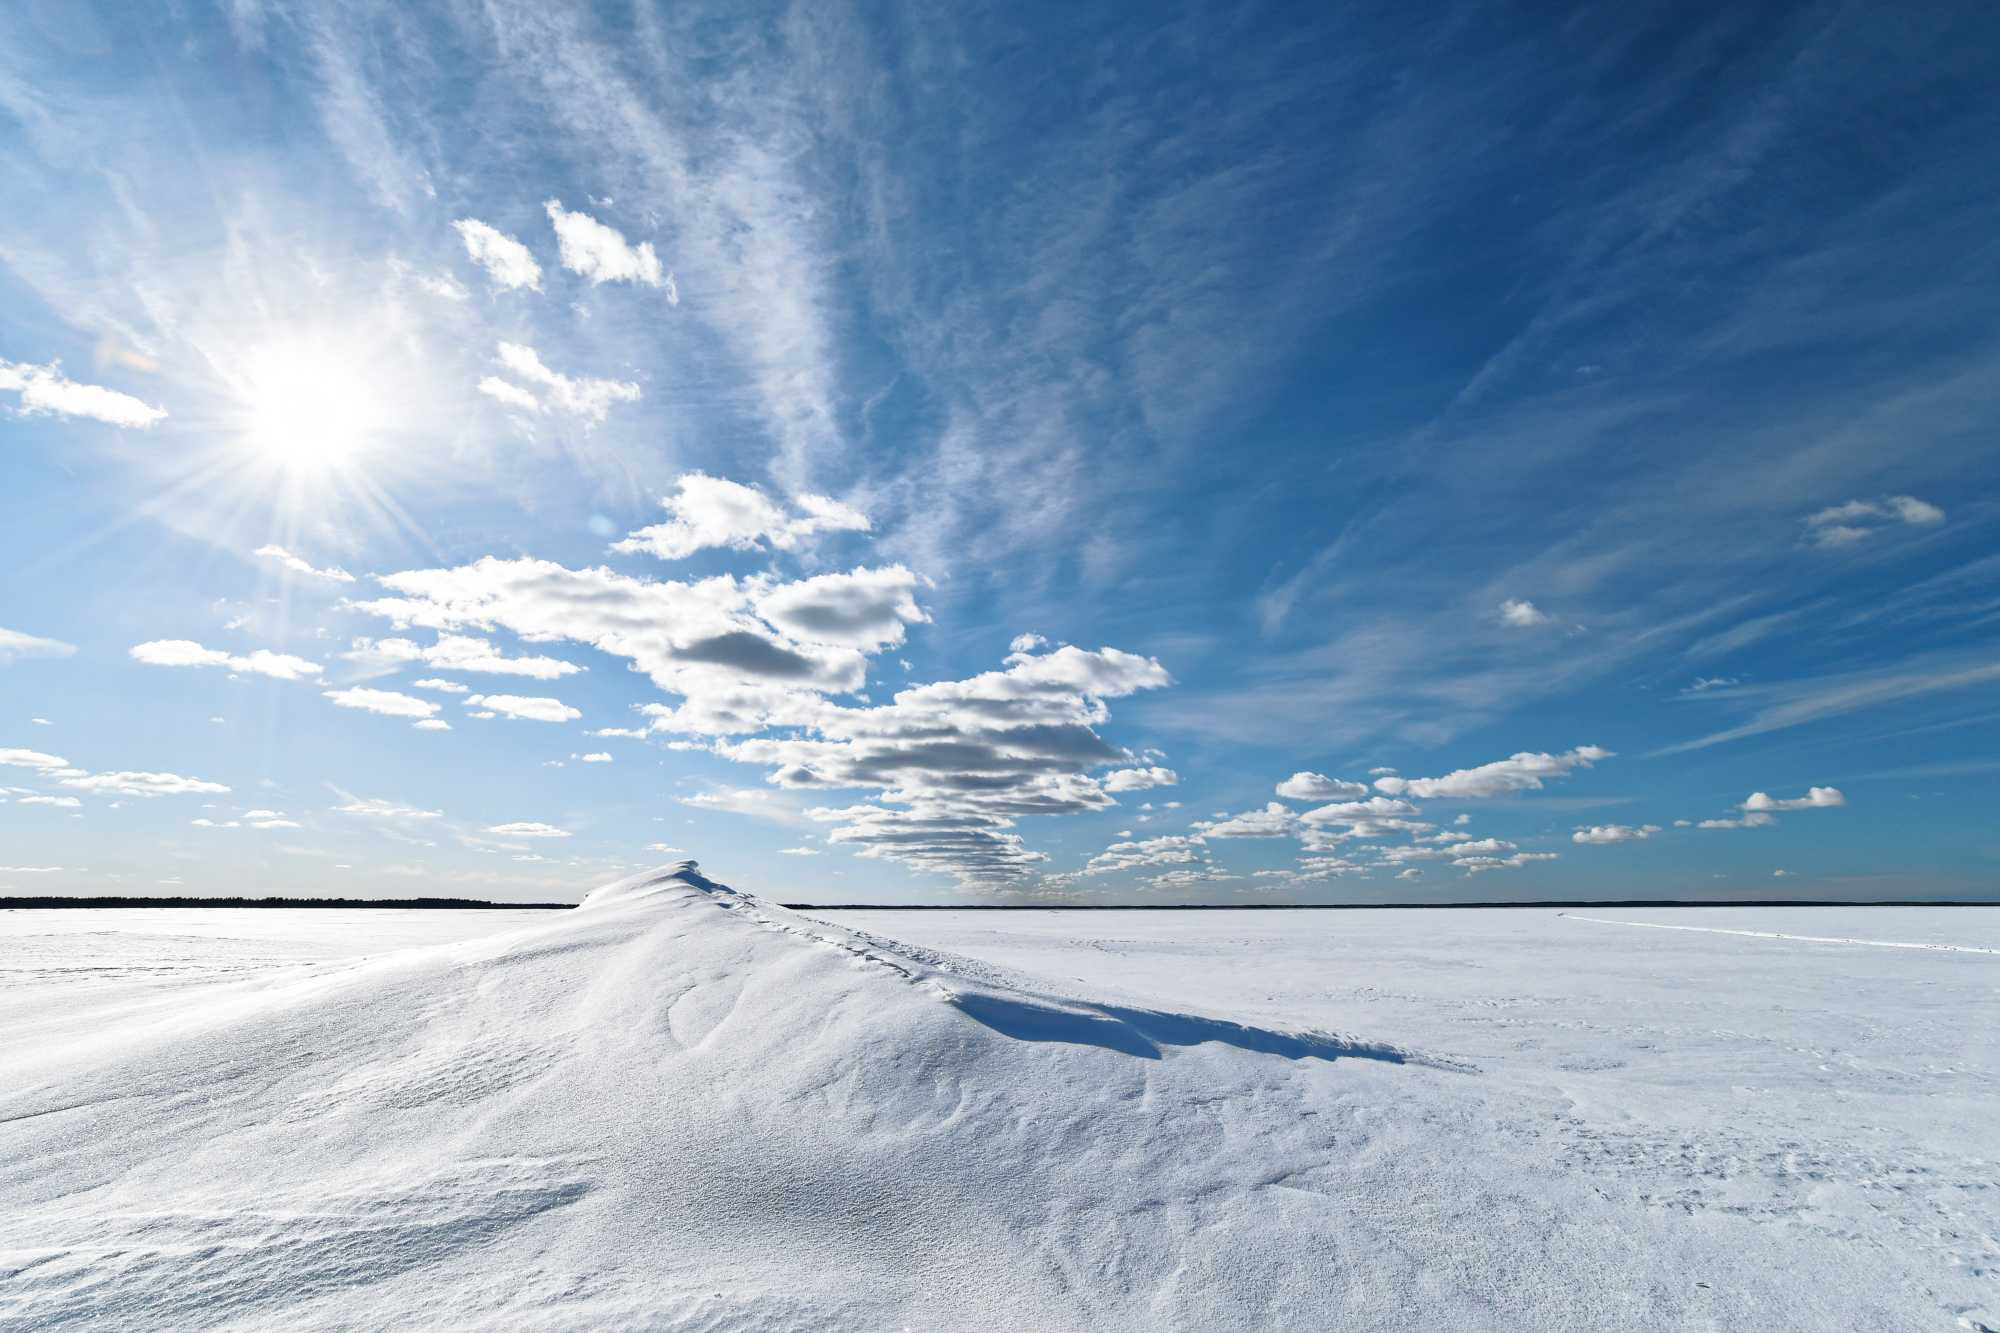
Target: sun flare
<point x="309" y="405"/>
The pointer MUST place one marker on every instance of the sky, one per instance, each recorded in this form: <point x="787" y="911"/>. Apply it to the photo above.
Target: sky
<point x="973" y="454"/>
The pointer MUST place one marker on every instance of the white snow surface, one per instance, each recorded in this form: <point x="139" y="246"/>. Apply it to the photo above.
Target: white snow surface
<point x="682" y="1107"/>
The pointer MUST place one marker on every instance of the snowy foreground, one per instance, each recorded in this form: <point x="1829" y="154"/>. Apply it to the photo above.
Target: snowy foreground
<point x="682" y="1107"/>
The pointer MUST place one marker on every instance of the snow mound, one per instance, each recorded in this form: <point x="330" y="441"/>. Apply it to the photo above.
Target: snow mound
<point x="680" y="1106"/>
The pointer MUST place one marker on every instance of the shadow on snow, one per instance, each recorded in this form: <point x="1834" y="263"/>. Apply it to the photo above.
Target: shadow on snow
<point x="1142" y="1032"/>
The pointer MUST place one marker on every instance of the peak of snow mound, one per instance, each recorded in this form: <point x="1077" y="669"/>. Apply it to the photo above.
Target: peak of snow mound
<point x="662" y="881"/>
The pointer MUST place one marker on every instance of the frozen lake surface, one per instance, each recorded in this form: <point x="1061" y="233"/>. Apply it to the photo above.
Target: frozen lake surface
<point x="684" y="1107"/>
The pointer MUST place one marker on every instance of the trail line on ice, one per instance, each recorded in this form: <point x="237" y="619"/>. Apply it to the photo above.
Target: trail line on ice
<point x="1775" y="935"/>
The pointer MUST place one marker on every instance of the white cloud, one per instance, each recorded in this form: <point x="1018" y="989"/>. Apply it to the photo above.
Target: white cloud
<point x="1520" y="772"/>
<point x="300" y="565"/>
<point x="532" y="708"/>
<point x="1795" y="703"/>
<point x="528" y="829"/>
<point x="46" y="392"/>
<point x="142" y="784"/>
<point x="1703" y="684"/>
<point x="1304" y="786"/>
<point x="509" y="395"/>
<point x="950" y="766"/>
<point x="580" y="396"/>
<point x="506" y="261"/>
<point x="443" y="286"/>
<point x="863" y="608"/>
<point x="1375" y="807"/>
<point x="1273" y="821"/>
<point x="1027" y="643"/>
<point x="1857" y="520"/>
<point x="1139" y="779"/>
<point x="715" y="512"/>
<point x="441" y="686"/>
<point x="373" y="808"/>
<point x="798" y="851"/>
<point x="600" y="757"/>
<point x="1755" y="819"/>
<point x="431" y="724"/>
<point x="1474" y="865"/>
<point x="16" y="646"/>
<point x="1608" y="833"/>
<point x="1522" y="614"/>
<point x="602" y="253"/>
<point x="459" y="652"/>
<point x="15" y="758"/>
<point x="60" y="802"/>
<point x="1816" y="798"/>
<point x="1413" y="872"/>
<point x="1173" y="850"/>
<point x="387" y="702"/>
<point x="187" y="653"/>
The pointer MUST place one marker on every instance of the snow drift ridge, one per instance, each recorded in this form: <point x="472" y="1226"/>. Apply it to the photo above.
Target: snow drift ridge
<point x="678" y="1104"/>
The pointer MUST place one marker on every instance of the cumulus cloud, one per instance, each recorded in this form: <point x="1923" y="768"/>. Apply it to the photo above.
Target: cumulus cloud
<point x="298" y="564"/>
<point x="863" y="608"/>
<point x="16" y="646"/>
<point x="528" y="829"/>
<point x="187" y="653"/>
<point x="1139" y="779"/>
<point x="506" y="261"/>
<point x="441" y="686"/>
<point x="1347" y="812"/>
<point x="1473" y="865"/>
<point x="431" y="724"/>
<point x="459" y="652"/>
<point x="45" y="391"/>
<point x="1816" y="798"/>
<point x="579" y="396"/>
<point x="1608" y="833"/>
<point x="600" y="757"/>
<point x="1754" y="819"/>
<point x="1174" y="850"/>
<point x="602" y="253"/>
<point x="1413" y="872"/>
<point x="1520" y="772"/>
<point x="1303" y="786"/>
<point x="1846" y="524"/>
<point x="709" y="512"/>
<point x="16" y="758"/>
<point x="706" y="641"/>
<point x="944" y="770"/>
<point x="387" y="702"/>
<point x="143" y="784"/>
<point x="1522" y="614"/>
<point x="1027" y="643"/>
<point x="1273" y="821"/>
<point x="59" y="802"/>
<point x="531" y="708"/>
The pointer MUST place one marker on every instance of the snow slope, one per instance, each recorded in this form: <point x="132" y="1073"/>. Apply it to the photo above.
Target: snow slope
<point x="682" y="1107"/>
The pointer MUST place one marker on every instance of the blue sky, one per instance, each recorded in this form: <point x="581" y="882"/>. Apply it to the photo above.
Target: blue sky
<point x="937" y="452"/>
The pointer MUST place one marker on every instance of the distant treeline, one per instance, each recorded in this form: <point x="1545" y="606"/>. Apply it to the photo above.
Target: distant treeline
<point x="264" y="902"/>
<point x="1377" y="907"/>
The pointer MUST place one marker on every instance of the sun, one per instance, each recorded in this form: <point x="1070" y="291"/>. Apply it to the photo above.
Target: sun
<point x="310" y="404"/>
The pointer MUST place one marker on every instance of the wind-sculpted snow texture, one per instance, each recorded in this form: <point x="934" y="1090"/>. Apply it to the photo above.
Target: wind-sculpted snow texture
<point x="680" y="1106"/>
